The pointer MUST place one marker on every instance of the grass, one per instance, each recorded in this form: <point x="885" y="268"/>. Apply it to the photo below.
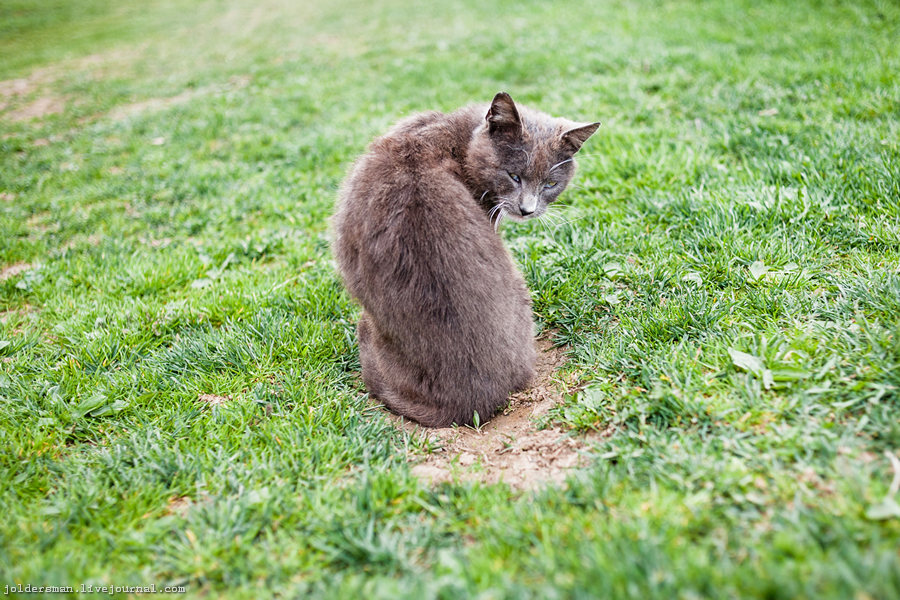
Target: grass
<point x="726" y="276"/>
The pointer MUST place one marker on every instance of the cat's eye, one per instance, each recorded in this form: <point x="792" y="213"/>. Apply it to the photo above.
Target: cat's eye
<point x="549" y="185"/>
<point x="514" y="177"/>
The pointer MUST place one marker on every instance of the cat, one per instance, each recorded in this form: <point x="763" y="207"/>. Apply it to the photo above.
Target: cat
<point x="446" y="331"/>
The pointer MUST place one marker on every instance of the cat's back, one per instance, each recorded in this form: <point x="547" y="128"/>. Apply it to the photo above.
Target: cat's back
<point x="408" y="188"/>
<point x="414" y="145"/>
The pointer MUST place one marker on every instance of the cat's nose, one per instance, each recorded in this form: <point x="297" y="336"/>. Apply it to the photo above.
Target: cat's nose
<point x="527" y="205"/>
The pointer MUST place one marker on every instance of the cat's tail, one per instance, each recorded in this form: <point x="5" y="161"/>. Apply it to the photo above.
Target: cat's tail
<point x="413" y="408"/>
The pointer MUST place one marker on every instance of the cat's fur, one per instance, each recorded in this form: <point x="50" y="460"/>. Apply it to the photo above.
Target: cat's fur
<point x="446" y="329"/>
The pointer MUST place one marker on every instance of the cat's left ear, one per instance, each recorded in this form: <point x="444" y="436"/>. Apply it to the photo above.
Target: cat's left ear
<point x="574" y="138"/>
<point x="502" y="117"/>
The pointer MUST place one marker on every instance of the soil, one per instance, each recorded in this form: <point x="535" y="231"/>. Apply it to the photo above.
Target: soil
<point x="47" y="105"/>
<point x="213" y="400"/>
<point x="13" y="270"/>
<point x="510" y="448"/>
<point x="30" y="97"/>
<point x="150" y="105"/>
<point x="13" y="93"/>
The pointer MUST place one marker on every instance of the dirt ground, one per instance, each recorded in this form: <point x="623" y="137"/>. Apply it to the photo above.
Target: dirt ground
<point x="509" y="448"/>
<point x="18" y="101"/>
<point x="14" y="269"/>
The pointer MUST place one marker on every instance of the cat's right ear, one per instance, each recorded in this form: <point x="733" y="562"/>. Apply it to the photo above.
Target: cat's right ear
<point x="575" y="138"/>
<point x="502" y="117"/>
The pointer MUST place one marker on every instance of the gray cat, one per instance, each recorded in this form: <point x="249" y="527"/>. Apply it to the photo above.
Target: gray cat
<point x="446" y="329"/>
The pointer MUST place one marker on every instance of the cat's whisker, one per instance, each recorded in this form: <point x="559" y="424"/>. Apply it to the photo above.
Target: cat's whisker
<point x="570" y="221"/>
<point x="500" y="215"/>
<point x="544" y="224"/>
<point x="551" y="224"/>
<point x="500" y="210"/>
<point x="493" y="212"/>
<point x="568" y="160"/>
<point x="551" y="221"/>
<point x="497" y="207"/>
<point x="553" y="210"/>
<point x="520" y="149"/>
<point x="527" y="155"/>
<point x="555" y="217"/>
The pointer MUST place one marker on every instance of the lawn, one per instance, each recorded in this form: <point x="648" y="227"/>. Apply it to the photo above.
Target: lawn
<point x="179" y="392"/>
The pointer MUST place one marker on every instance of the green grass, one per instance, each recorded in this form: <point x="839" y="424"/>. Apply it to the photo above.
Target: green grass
<point x="726" y="275"/>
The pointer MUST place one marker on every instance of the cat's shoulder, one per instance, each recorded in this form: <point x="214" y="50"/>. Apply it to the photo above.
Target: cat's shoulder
<point x="414" y="124"/>
<point x="431" y="124"/>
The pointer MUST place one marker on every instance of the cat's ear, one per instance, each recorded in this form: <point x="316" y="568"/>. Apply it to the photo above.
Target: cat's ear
<point x="574" y="138"/>
<point x="502" y="116"/>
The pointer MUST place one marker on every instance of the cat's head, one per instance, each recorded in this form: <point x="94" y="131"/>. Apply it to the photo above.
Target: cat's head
<point x="521" y="160"/>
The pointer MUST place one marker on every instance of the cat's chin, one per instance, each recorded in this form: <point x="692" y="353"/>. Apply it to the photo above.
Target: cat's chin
<point x="520" y="218"/>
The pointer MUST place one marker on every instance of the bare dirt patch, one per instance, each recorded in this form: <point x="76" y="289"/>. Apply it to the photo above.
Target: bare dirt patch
<point x="31" y="97"/>
<point x="13" y="270"/>
<point x="510" y="448"/>
<point x="93" y="239"/>
<point x="6" y="315"/>
<point x="150" y="105"/>
<point x="13" y="92"/>
<point x="178" y="505"/>
<point x="213" y="400"/>
<point x="13" y="89"/>
<point x="39" y="108"/>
